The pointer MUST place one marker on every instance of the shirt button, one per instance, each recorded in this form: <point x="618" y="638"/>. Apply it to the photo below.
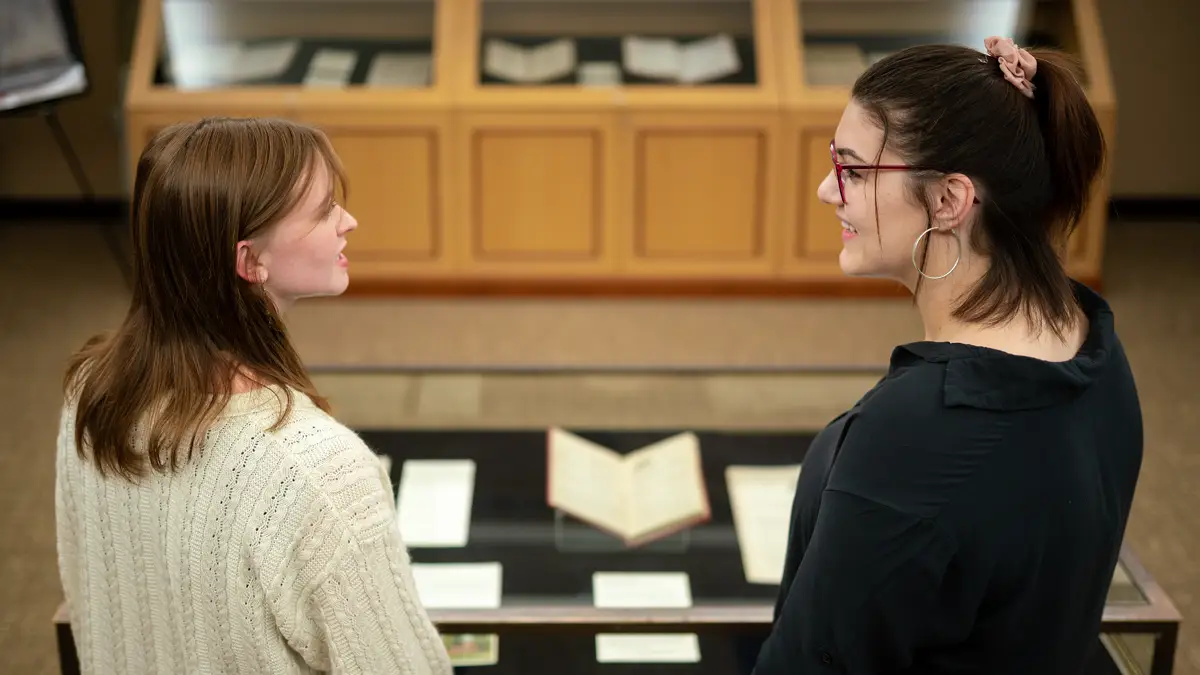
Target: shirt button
<point x="826" y="658"/>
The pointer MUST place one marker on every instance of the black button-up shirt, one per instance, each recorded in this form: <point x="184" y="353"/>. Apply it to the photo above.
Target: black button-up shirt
<point x="965" y="516"/>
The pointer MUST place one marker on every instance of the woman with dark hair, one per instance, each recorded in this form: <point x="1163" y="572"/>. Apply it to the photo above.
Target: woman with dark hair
<point x="212" y="516"/>
<point x="965" y="516"/>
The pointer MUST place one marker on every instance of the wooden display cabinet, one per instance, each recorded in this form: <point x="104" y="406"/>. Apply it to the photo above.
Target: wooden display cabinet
<point x="392" y="138"/>
<point x="639" y="181"/>
<point x="817" y="89"/>
<point x="473" y="182"/>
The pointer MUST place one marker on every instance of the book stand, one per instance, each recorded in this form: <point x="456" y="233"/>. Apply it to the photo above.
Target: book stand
<point x="572" y="535"/>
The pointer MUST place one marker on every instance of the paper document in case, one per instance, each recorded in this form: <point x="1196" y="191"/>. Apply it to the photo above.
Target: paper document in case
<point x="400" y="70"/>
<point x="331" y="68"/>
<point x="641" y="589"/>
<point x="833" y="64"/>
<point x="529" y="65"/>
<point x="599" y="74"/>
<point x="459" y="585"/>
<point x="631" y="590"/>
<point x="761" y="500"/>
<point x="647" y="494"/>
<point x="647" y="648"/>
<point x="705" y="60"/>
<point x="433" y="502"/>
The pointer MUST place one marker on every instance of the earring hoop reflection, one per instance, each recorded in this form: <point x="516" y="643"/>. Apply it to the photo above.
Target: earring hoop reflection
<point x="957" y="258"/>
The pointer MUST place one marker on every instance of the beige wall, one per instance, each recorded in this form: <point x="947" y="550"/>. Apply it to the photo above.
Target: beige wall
<point x="1157" y="95"/>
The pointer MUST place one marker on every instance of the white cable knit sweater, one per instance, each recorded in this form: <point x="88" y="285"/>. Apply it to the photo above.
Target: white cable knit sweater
<point x="267" y="553"/>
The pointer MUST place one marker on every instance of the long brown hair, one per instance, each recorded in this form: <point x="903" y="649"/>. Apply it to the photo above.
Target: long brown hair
<point x="193" y="323"/>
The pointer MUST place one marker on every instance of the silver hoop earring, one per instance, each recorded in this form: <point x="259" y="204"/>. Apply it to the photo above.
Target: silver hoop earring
<point x="957" y="258"/>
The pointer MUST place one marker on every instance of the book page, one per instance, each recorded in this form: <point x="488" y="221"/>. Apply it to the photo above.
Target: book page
<point x="641" y="589"/>
<point x="587" y="481"/>
<point x="433" y="502"/>
<point x="709" y="59"/>
<point x="551" y="61"/>
<point x="400" y="70"/>
<point x="655" y="58"/>
<point x="458" y="585"/>
<point x="504" y="60"/>
<point x="666" y="484"/>
<point x="761" y="498"/>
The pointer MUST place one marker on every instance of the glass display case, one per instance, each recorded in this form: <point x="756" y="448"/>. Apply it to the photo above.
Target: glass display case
<point x="826" y="44"/>
<point x="612" y="43"/>
<point x="839" y="43"/>
<point x="360" y="43"/>
<point x="548" y="618"/>
<point x="467" y="454"/>
<point x="601" y="144"/>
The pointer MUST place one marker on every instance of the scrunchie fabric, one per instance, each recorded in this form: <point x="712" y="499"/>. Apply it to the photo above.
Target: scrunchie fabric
<point x="1017" y="64"/>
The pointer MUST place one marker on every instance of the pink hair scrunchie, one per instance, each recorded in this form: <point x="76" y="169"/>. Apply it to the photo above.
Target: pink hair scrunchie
<point x="1018" y="65"/>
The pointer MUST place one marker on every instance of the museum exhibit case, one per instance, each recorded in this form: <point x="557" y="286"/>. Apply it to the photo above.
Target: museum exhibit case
<point x="830" y="43"/>
<point x="629" y="145"/>
<point x="496" y="565"/>
<point x="503" y="557"/>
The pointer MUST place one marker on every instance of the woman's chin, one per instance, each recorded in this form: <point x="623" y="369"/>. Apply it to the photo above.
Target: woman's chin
<point x="852" y="264"/>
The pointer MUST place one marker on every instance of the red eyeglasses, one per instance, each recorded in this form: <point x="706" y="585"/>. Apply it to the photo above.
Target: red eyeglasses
<point x="838" y="168"/>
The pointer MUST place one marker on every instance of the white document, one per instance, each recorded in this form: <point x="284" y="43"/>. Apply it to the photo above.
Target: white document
<point x="550" y="61"/>
<point x="206" y="65"/>
<point x="400" y="70"/>
<point x="648" y="648"/>
<point x="433" y="502"/>
<point x="833" y="64"/>
<point x="599" y="74"/>
<point x="458" y="585"/>
<point x="641" y="589"/>
<point x="331" y="68"/>
<point x="665" y="59"/>
<point x="624" y="590"/>
<point x="761" y="500"/>
<point x="262" y="61"/>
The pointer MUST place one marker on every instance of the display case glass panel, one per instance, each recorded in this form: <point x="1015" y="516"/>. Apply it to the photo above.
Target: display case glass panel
<point x="842" y="38"/>
<point x="608" y="43"/>
<point x="213" y="44"/>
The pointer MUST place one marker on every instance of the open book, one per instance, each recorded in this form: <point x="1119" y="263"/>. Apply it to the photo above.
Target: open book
<point x="645" y="495"/>
<point x="665" y="59"/>
<point x="529" y="65"/>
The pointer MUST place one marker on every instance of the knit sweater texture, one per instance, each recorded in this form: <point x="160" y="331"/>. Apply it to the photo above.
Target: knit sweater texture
<point x="267" y="552"/>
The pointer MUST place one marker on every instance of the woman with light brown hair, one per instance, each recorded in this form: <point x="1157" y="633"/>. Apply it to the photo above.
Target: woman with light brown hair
<point x="212" y="516"/>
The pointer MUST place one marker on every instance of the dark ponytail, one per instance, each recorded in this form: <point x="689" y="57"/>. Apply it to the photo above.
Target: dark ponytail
<point x="950" y="109"/>
<point x="1075" y="144"/>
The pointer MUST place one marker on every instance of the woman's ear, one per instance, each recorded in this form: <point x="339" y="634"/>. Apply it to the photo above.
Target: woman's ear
<point x="248" y="265"/>
<point x="953" y="199"/>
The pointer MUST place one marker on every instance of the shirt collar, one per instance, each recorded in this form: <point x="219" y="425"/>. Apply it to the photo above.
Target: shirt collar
<point x="990" y="379"/>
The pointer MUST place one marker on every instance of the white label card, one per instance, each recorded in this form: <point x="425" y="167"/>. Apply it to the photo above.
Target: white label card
<point x="648" y="648"/>
<point x="641" y="589"/>
<point x="458" y="585"/>
<point x="433" y="502"/>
